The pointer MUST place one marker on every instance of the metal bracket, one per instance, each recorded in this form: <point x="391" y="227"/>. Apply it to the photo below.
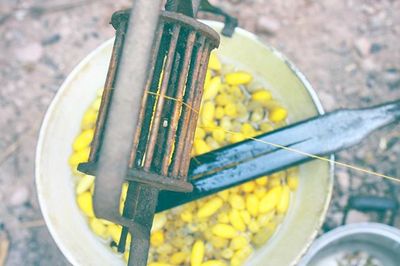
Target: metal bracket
<point x="230" y="22"/>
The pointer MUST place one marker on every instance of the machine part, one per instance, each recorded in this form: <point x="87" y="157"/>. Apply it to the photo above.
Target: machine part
<point x="379" y="205"/>
<point x="378" y="240"/>
<point x="235" y="164"/>
<point x="190" y="8"/>
<point x="230" y="22"/>
<point x="140" y="136"/>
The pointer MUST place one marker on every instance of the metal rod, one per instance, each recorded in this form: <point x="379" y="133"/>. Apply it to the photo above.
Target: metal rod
<point x="105" y="99"/>
<point x="163" y="88"/>
<point x="199" y="83"/>
<point x="152" y="63"/>
<point x="145" y="198"/>
<point x="247" y="160"/>
<point x="186" y="114"/>
<point x="180" y="93"/>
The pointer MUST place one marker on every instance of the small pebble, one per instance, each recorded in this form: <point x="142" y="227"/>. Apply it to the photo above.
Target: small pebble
<point x="268" y="25"/>
<point x="29" y="53"/>
<point x="19" y="196"/>
<point x="363" y="46"/>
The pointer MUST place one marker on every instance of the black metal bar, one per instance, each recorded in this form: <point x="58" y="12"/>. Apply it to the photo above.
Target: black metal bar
<point x="145" y="198"/>
<point x="247" y="160"/>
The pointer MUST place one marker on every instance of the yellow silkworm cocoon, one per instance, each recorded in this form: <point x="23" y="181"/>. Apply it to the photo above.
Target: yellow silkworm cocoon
<point x="260" y="192"/>
<point x="114" y="231"/>
<point x="262" y="236"/>
<point x="207" y="78"/>
<point x="212" y="88"/>
<point x="89" y="119"/>
<point x="197" y="255"/>
<point x="236" y="220"/>
<point x="277" y="114"/>
<point x="200" y="146"/>
<point x="187" y="216"/>
<point x="274" y="182"/>
<point x="261" y="95"/>
<point x="219" y="242"/>
<point x="219" y="135"/>
<point x="178" y="258"/>
<point x="200" y="133"/>
<point x="238" y="78"/>
<point x="165" y="250"/>
<point x="159" y="221"/>
<point x="223" y="99"/>
<point x="237" y="202"/>
<point x="248" y="186"/>
<point x="85" y="203"/>
<point x="247" y="130"/>
<point x="212" y="143"/>
<point x="235" y="91"/>
<point x="84" y="183"/>
<point x="223" y="217"/>
<point x="214" y="263"/>
<point x="237" y="137"/>
<point x="219" y="112"/>
<point x="224" y="195"/>
<point x="227" y="253"/>
<point x="270" y="200"/>
<point x="157" y="238"/>
<point x="83" y="140"/>
<point x="262" y="181"/>
<point x="252" y="204"/>
<point x="254" y="227"/>
<point x="210" y="207"/>
<point x="98" y="227"/>
<point x="224" y="231"/>
<point x="240" y="256"/>
<point x="230" y="110"/>
<point x="79" y="157"/>
<point x="283" y="203"/>
<point x="207" y="113"/>
<point x="226" y="123"/>
<point x="266" y="127"/>
<point x="239" y="242"/>
<point x="214" y="62"/>
<point x="242" y="111"/>
<point x="265" y="218"/>
<point x="293" y="182"/>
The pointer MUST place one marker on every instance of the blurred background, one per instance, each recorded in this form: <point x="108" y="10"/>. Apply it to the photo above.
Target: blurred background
<point x="348" y="49"/>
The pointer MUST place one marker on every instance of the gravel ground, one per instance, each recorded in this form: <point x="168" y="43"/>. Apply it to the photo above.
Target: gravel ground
<point x="347" y="48"/>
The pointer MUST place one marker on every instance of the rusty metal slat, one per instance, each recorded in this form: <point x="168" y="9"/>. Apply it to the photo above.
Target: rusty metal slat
<point x="196" y="105"/>
<point x="161" y="99"/>
<point x="152" y="99"/>
<point x="178" y="104"/>
<point x="105" y="99"/>
<point x="156" y="47"/>
<point x="186" y="110"/>
<point x="162" y="137"/>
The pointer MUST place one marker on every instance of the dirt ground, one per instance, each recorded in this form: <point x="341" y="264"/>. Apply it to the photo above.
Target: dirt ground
<point x="348" y="49"/>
